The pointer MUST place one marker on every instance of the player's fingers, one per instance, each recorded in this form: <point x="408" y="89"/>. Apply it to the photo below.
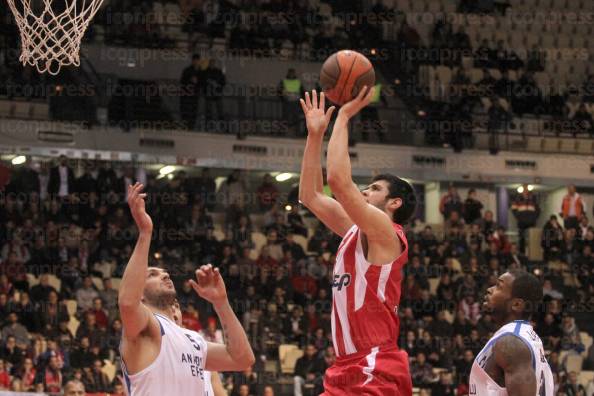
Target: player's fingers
<point x="143" y="195"/>
<point x="329" y="113"/>
<point x="303" y="106"/>
<point x="362" y="93"/>
<point x="314" y="94"/>
<point x="322" y="100"/>
<point x="307" y="100"/>
<point x="369" y="95"/>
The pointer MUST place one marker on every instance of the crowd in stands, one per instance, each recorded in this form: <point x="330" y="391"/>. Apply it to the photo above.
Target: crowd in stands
<point x="506" y="87"/>
<point x="77" y="228"/>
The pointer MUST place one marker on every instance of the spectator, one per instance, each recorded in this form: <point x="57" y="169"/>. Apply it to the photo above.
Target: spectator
<point x="74" y="388"/>
<point x="445" y="386"/>
<point x="109" y="297"/>
<point x="214" y="84"/>
<point x="191" y="84"/>
<point x="27" y="373"/>
<point x="421" y="371"/>
<point x="295" y="221"/>
<point x="4" y="376"/>
<point x="526" y="210"/>
<point x="16" y="330"/>
<point x="552" y="239"/>
<point x="82" y="357"/>
<point x="582" y="122"/>
<point x="51" y="378"/>
<point x="86" y="294"/>
<point x="307" y="368"/>
<point x="472" y="207"/>
<point x="98" y="380"/>
<point x="450" y="202"/>
<point x="61" y="180"/>
<point x="572" y="387"/>
<point x="572" y="208"/>
<point x="268" y="193"/>
<point x="101" y="315"/>
<point x="290" y="90"/>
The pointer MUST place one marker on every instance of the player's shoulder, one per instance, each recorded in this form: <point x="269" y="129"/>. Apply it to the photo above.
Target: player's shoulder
<point x="510" y="349"/>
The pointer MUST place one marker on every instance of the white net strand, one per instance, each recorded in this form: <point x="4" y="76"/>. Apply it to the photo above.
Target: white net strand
<point x="51" y="38"/>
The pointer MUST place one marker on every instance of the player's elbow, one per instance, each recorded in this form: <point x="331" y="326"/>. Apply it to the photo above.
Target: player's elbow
<point x="338" y="182"/>
<point x="127" y="302"/>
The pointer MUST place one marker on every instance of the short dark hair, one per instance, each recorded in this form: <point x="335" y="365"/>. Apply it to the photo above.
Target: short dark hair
<point x="528" y="288"/>
<point x="400" y="189"/>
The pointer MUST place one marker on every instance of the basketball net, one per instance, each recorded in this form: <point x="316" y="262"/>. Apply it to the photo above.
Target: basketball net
<point x="51" y="36"/>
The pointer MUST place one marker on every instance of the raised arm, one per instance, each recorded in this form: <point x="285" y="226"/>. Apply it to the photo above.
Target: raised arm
<point x="311" y="183"/>
<point x="515" y="359"/>
<point x="135" y="316"/>
<point x="236" y="354"/>
<point x="375" y="224"/>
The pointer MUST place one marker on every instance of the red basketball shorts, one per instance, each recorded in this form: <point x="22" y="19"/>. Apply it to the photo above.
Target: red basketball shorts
<point x="380" y="372"/>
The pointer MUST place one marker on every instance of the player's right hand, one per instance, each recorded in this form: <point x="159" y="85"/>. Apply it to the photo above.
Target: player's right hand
<point x="137" y="208"/>
<point x="316" y="118"/>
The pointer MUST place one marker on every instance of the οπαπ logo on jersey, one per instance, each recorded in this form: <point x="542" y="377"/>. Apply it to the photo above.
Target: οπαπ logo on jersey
<point x="341" y="281"/>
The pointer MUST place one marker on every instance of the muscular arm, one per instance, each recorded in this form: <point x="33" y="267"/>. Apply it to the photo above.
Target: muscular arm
<point x="515" y="360"/>
<point x="135" y="315"/>
<point x="236" y="353"/>
<point x="311" y="183"/>
<point x="377" y="226"/>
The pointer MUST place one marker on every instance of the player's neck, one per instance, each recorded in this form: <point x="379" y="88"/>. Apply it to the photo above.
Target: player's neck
<point x="163" y="312"/>
<point x="509" y="319"/>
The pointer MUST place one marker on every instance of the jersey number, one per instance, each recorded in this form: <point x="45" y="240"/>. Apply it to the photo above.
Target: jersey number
<point x="194" y="343"/>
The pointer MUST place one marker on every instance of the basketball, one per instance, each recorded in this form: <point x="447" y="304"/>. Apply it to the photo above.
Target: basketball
<point x="344" y="73"/>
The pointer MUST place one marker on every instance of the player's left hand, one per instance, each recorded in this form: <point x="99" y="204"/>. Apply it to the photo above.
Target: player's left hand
<point x="350" y="109"/>
<point x="209" y="284"/>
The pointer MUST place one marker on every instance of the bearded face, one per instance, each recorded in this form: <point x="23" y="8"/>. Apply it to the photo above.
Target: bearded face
<point x="159" y="291"/>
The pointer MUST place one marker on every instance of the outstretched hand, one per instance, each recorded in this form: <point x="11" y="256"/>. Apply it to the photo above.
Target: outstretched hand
<point x="316" y="117"/>
<point x="351" y="108"/>
<point x="138" y="209"/>
<point x="209" y="284"/>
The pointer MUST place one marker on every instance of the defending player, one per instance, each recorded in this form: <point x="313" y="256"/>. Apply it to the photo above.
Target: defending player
<point x="369" y="261"/>
<point x="513" y="362"/>
<point x="213" y="384"/>
<point x="158" y="357"/>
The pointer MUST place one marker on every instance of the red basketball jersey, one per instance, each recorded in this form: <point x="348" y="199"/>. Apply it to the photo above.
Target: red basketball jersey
<point x="365" y="297"/>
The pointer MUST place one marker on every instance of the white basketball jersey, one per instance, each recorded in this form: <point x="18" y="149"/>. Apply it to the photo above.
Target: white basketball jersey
<point x="177" y="370"/>
<point x="208" y="391"/>
<point x="482" y="385"/>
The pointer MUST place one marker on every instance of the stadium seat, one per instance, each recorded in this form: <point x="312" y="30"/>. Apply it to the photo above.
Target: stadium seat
<point x="218" y="234"/>
<point x="6" y="108"/>
<point x="115" y="283"/>
<point x="259" y="240"/>
<point x="73" y="325"/>
<point x="288" y="363"/>
<point x="573" y="363"/>
<point x="98" y="282"/>
<point x="568" y="145"/>
<point x="32" y="280"/>
<point x="433" y="283"/>
<point x="585" y="146"/>
<point x="551" y="145"/>
<point x="40" y="111"/>
<point x="109" y="369"/>
<point x="587" y="341"/>
<point x="22" y="110"/>
<point x="71" y="306"/>
<point x="301" y="241"/>
<point x="585" y="377"/>
<point x="54" y="282"/>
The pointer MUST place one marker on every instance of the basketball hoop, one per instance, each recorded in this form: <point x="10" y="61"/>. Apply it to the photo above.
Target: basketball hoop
<point x="52" y="30"/>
